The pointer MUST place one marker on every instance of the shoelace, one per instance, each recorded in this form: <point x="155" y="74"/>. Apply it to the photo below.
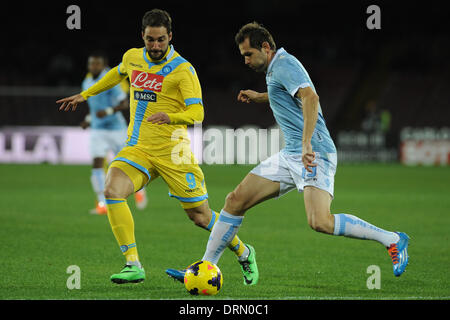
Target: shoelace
<point x="246" y="266"/>
<point x="393" y="252"/>
<point x="126" y="266"/>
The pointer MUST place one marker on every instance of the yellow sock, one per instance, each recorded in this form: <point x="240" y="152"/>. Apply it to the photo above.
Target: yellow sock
<point x="236" y="245"/>
<point x="122" y="225"/>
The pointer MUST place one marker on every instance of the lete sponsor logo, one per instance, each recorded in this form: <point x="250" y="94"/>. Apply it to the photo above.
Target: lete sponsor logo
<point x="146" y="81"/>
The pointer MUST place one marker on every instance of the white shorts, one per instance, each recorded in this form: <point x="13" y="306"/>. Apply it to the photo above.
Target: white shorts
<point x="288" y="170"/>
<point x="102" y="140"/>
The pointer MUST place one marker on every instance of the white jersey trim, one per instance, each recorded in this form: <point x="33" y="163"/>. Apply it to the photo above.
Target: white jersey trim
<point x="303" y="85"/>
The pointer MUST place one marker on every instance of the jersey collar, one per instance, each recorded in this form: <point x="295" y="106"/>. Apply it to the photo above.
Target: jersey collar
<point x="279" y="51"/>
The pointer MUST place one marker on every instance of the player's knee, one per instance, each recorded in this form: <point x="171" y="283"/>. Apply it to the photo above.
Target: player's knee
<point x="109" y="193"/>
<point x="112" y="191"/>
<point x="235" y="202"/>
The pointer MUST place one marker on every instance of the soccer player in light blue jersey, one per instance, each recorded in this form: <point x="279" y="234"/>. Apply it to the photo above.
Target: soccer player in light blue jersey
<point x="108" y="128"/>
<point x="307" y="163"/>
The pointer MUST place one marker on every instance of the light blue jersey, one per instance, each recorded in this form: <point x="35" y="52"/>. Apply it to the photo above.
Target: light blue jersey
<point x="285" y="76"/>
<point x="108" y="98"/>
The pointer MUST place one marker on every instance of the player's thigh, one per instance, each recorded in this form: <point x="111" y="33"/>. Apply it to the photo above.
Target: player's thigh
<point x="252" y="190"/>
<point x="136" y="166"/>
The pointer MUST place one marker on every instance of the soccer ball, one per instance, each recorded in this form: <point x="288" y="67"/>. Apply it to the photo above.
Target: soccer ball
<point x="203" y="278"/>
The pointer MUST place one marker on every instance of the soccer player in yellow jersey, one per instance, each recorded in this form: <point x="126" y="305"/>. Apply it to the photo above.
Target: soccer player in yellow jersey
<point x="165" y="97"/>
<point x="108" y="128"/>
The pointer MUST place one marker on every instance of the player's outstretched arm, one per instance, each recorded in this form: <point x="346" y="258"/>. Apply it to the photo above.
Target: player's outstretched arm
<point x="248" y="96"/>
<point x="70" y="103"/>
<point x="111" y="79"/>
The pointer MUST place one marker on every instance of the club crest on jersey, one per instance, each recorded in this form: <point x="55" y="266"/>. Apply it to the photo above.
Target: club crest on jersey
<point x="147" y="81"/>
<point x="166" y="69"/>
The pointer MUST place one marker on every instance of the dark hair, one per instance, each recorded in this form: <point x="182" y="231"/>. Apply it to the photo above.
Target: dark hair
<point x="157" y="18"/>
<point x="256" y="34"/>
<point x="99" y="54"/>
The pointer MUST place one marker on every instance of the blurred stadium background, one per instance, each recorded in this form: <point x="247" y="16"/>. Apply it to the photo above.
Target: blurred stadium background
<point x="384" y="94"/>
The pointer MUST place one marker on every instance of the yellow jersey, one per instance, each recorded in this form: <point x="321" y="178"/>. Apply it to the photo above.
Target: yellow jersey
<point x="168" y="85"/>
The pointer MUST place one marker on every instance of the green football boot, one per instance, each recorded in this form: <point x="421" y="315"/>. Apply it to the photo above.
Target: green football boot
<point x="249" y="268"/>
<point x="129" y="274"/>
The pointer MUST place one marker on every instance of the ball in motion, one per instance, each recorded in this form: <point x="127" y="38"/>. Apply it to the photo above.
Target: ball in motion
<point x="203" y="278"/>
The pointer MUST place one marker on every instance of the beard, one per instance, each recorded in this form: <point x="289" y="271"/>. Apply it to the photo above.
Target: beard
<point x="157" y="54"/>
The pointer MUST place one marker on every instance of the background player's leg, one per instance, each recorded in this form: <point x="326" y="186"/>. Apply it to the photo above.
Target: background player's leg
<point x="98" y="149"/>
<point x="251" y="191"/>
<point x="140" y="199"/>
<point x="98" y="184"/>
<point x="317" y="205"/>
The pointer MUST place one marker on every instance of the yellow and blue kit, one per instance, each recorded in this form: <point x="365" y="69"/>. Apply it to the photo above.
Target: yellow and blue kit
<point x="168" y="85"/>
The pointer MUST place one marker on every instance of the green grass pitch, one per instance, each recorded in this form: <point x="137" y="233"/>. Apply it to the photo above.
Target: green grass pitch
<point x="46" y="227"/>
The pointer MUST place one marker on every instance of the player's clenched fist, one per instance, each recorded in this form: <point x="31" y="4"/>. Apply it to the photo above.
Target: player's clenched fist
<point x="247" y="96"/>
<point x="70" y="102"/>
<point x="308" y="157"/>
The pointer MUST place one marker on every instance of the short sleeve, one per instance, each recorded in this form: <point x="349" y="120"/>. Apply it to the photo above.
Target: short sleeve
<point x="292" y="76"/>
<point x="121" y="69"/>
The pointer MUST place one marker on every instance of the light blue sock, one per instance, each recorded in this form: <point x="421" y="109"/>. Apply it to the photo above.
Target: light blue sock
<point x="98" y="183"/>
<point x="350" y="226"/>
<point x="225" y="228"/>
